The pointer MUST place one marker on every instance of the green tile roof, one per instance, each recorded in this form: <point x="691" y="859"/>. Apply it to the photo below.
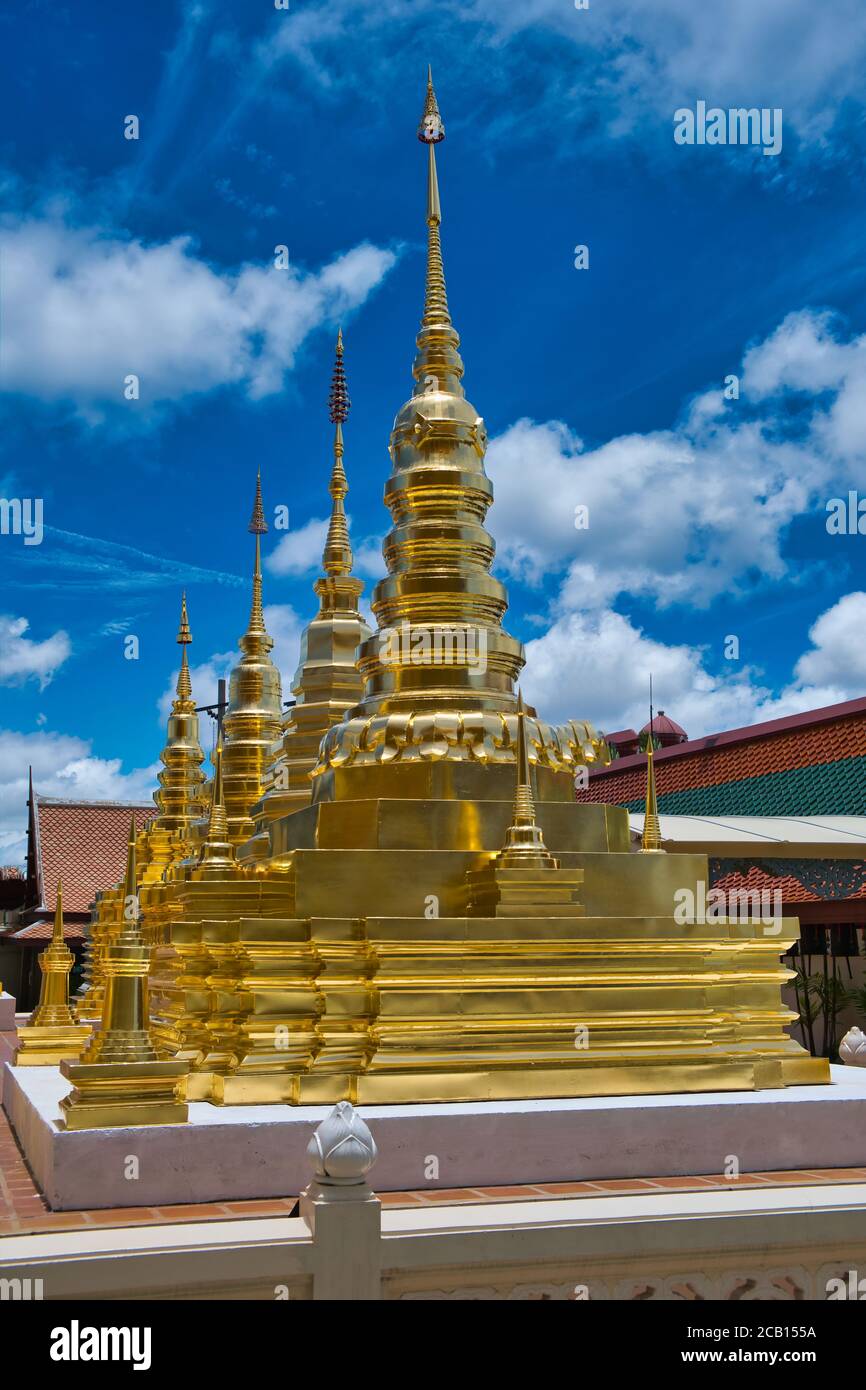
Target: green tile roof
<point x="825" y="789"/>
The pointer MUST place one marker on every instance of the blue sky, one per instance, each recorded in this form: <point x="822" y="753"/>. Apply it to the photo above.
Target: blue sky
<point x="600" y="387"/>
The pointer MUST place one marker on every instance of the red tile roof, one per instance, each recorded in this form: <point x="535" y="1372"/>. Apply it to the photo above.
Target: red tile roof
<point x="41" y="931"/>
<point x="791" y="889"/>
<point x="804" y="740"/>
<point x="84" y="844"/>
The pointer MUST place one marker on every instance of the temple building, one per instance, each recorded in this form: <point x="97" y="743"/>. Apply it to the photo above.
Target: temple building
<point x="779" y="808"/>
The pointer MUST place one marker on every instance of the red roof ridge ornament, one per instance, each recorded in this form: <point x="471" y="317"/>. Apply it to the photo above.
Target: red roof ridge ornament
<point x="431" y="130"/>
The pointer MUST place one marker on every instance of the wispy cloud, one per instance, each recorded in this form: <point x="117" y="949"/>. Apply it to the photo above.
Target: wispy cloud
<point x="23" y="659"/>
<point x="67" y="560"/>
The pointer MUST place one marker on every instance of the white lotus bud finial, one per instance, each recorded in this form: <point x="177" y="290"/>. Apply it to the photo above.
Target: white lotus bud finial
<point x="342" y="1149"/>
<point x="852" y="1048"/>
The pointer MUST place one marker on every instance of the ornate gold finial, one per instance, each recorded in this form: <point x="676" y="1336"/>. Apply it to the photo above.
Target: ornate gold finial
<point x="184" y="637"/>
<point x="337" y="555"/>
<point x="430" y="132"/>
<point x="524" y="843"/>
<point x="258" y="526"/>
<point x="130" y="908"/>
<point x="57" y="929"/>
<point x="651" y="840"/>
<point x="217" y="853"/>
<point x="431" y="129"/>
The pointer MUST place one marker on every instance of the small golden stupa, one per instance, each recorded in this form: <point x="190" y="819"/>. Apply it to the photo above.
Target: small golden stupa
<point x="53" y="1031"/>
<point x="120" y="1079"/>
<point x="436" y="919"/>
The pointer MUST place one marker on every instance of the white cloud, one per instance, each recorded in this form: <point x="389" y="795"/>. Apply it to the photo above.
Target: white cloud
<point x="702" y="508"/>
<point x="22" y="659"/>
<point x="804" y="57"/>
<point x="63" y="765"/>
<point x="597" y="665"/>
<point x="83" y="308"/>
<point x="836" y="661"/>
<point x="369" y="563"/>
<point x="299" y="551"/>
<point x="635" y="62"/>
<point x="666" y="509"/>
<point x="806" y="355"/>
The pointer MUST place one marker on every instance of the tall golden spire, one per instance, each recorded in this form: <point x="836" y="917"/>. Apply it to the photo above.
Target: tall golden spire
<point x="337" y="555"/>
<point x="253" y="720"/>
<point x="437" y="365"/>
<point x="181" y="781"/>
<point x="184" y="637"/>
<point x="326" y="683"/>
<point x="217" y="853"/>
<point x="130" y="929"/>
<point x="651" y="840"/>
<point x="439" y="592"/>
<point x="258" y="526"/>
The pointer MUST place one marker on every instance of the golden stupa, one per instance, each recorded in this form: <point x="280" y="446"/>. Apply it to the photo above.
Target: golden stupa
<point x="394" y="896"/>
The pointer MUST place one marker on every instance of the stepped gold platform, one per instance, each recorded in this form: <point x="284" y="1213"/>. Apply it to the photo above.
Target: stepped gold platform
<point x="359" y="972"/>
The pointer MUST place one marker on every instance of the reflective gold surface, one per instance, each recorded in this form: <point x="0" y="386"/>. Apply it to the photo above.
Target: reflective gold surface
<point x="253" y="720"/>
<point x="442" y="921"/>
<point x="326" y="683"/>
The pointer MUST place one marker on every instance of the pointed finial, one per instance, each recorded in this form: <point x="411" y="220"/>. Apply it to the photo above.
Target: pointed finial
<point x="258" y="525"/>
<point x="57" y="932"/>
<point x="184" y="637"/>
<point x="130" y="908"/>
<point x="522" y="753"/>
<point x="338" y="400"/>
<point x="130" y="884"/>
<point x="651" y="840"/>
<point x="437" y="365"/>
<point x="431" y="128"/>
<point x="256" y="628"/>
<point x="337" y="554"/>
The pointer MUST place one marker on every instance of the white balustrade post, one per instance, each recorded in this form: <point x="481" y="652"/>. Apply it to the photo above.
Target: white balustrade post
<point x="342" y="1211"/>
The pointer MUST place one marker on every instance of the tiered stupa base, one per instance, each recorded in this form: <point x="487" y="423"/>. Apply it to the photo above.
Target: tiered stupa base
<point x="355" y="964"/>
<point x="106" y="1094"/>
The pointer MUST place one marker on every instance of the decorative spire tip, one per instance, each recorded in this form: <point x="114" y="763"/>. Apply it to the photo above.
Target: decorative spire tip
<point x="338" y="400"/>
<point x="184" y="635"/>
<point x="258" y="525"/>
<point x="431" y="129"/>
